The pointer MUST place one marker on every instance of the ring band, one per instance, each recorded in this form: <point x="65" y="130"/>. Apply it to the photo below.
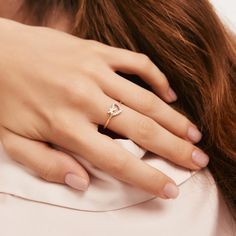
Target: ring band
<point x="113" y="111"/>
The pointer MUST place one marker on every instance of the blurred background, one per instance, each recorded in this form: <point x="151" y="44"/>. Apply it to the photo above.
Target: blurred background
<point x="227" y="10"/>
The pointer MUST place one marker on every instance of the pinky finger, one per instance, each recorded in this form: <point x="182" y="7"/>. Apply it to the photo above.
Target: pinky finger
<point x="50" y="164"/>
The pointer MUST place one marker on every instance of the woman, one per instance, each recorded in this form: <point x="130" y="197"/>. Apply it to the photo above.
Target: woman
<point x="52" y="78"/>
<point x="189" y="44"/>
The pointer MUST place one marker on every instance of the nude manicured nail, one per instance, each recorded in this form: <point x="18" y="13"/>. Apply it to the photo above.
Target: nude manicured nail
<point x="172" y="95"/>
<point x="171" y="190"/>
<point x="194" y="134"/>
<point x="200" y="158"/>
<point x="76" y="182"/>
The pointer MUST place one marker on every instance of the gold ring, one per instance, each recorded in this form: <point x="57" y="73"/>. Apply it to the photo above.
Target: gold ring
<point x="114" y="110"/>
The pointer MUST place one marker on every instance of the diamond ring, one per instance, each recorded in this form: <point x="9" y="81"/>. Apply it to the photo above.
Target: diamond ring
<point x="113" y="111"/>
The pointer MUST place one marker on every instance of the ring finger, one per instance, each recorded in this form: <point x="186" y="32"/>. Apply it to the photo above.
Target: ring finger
<point x="147" y="103"/>
<point x="150" y="135"/>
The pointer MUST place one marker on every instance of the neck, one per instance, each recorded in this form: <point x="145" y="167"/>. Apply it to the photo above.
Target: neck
<point x="12" y="9"/>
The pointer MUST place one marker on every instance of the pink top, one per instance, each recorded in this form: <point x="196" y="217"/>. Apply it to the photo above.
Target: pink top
<point x="109" y="206"/>
<point x="30" y="206"/>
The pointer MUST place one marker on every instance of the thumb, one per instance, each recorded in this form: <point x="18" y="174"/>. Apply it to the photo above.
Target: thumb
<point x="50" y="164"/>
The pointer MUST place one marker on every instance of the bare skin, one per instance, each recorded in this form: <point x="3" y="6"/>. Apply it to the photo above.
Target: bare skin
<point x="50" y="76"/>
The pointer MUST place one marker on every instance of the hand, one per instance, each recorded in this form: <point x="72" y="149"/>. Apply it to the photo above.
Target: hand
<point x="57" y="89"/>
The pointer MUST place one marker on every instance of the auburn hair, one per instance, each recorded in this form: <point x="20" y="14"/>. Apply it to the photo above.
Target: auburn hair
<point x="190" y="45"/>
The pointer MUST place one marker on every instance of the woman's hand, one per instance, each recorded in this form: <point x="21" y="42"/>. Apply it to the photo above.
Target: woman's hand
<point x="56" y="89"/>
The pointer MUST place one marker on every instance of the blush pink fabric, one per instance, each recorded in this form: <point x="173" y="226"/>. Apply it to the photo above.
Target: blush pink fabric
<point x="31" y="206"/>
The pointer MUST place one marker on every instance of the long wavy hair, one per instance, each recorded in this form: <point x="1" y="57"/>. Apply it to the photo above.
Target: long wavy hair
<point x="188" y="42"/>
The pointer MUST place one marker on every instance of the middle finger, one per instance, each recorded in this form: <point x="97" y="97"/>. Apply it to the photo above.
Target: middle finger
<point x="149" y="104"/>
<point x="150" y="135"/>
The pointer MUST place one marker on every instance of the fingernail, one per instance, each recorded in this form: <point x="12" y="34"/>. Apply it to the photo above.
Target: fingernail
<point x="172" y="95"/>
<point x="171" y="190"/>
<point x="76" y="182"/>
<point x="200" y="158"/>
<point x="194" y="134"/>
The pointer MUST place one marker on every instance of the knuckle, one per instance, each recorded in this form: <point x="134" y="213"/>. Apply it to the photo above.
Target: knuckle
<point x="163" y="82"/>
<point x="60" y="126"/>
<point x="184" y="121"/>
<point x="94" y="44"/>
<point x="145" y="129"/>
<point x="76" y="92"/>
<point x="98" y="48"/>
<point x="62" y="129"/>
<point x="182" y="153"/>
<point x="91" y="70"/>
<point x="118" y="166"/>
<point x="155" y="183"/>
<point x="159" y="178"/>
<point x="48" y="172"/>
<point x="147" y="101"/>
<point x="145" y="62"/>
<point x="163" y="85"/>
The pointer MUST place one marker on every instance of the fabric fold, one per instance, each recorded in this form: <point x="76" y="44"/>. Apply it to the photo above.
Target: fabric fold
<point x="105" y="193"/>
